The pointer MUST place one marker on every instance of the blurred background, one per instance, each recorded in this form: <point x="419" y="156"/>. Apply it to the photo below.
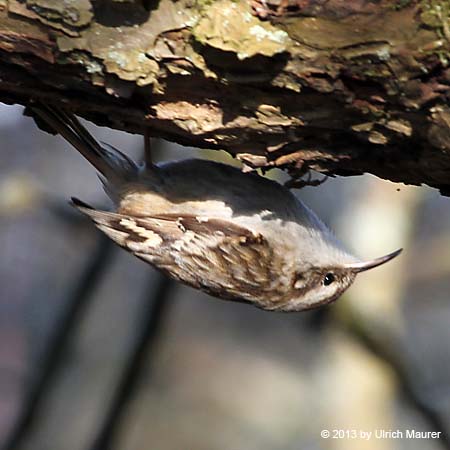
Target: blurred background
<point x="99" y="351"/>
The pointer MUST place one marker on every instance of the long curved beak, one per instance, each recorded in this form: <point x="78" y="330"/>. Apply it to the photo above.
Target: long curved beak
<point x="367" y="265"/>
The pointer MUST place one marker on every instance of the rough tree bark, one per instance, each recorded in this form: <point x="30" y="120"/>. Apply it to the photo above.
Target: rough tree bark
<point x="342" y="87"/>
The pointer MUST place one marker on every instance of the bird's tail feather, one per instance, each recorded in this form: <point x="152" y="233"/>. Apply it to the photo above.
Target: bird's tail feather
<point x="111" y="163"/>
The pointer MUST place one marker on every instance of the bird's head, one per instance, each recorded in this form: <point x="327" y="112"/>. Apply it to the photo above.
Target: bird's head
<point x="319" y="284"/>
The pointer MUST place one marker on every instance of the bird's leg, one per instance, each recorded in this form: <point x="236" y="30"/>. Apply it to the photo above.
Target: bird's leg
<point x="147" y="149"/>
<point x="298" y="183"/>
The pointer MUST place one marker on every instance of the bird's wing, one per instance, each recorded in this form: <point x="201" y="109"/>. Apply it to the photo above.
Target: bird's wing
<point x="212" y="254"/>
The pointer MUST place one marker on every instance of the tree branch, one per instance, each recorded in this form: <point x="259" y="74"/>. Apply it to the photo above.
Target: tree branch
<point x="340" y="87"/>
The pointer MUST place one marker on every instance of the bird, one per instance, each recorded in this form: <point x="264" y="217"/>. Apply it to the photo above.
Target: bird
<point x="237" y="236"/>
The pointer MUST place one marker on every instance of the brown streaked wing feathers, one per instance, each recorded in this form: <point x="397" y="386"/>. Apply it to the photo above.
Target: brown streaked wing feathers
<point x="220" y="257"/>
<point x="171" y="226"/>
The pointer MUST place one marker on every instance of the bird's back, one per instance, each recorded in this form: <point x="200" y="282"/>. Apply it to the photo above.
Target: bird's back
<point x="213" y="186"/>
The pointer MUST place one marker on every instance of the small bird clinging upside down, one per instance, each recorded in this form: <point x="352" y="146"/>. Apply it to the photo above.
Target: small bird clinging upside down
<point x="235" y="235"/>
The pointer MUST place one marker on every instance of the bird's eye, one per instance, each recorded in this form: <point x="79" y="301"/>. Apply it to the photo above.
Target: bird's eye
<point x="328" y="279"/>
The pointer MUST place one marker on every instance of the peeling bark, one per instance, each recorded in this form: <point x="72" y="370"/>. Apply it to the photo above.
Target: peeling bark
<point x="340" y="87"/>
